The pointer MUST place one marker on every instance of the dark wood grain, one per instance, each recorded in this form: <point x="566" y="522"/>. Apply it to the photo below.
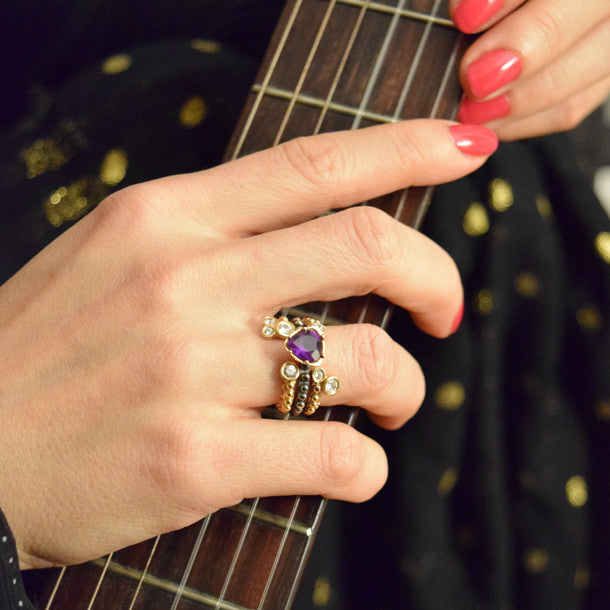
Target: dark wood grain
<point x="269" y="539"/>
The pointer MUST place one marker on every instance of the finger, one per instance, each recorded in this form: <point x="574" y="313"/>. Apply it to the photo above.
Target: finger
<point x="305" y="177"/>
<point x="562" y="117"/>
<point x="374" y="372"/>
<point x="556" y="83"/>
<point x="271" y="458"/>
<point x="472" y="16"/>
<point x="524" y="42"/>
<point x="353" y="252"/>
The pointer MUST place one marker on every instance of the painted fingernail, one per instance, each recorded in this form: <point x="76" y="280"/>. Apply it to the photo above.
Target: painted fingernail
<point x="458" y="319"/>
<point x="470" y="15"/>
<point x="471" y="111"/>
<point x="474" y="139"/>
<point x="492" y="71"/>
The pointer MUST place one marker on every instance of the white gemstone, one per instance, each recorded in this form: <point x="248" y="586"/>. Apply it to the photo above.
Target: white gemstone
<point x="289" y="371"/>
<point x="319" y="327"/>
<point x="269" y="321"/>
<point x="284" y="328"/>
<point x="318" y="375"/>
<point x="268" y="332"/>
<point x="331" y="386"/>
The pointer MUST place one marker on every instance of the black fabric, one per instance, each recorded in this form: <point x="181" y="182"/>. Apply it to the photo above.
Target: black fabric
<point x="497" y="496"/>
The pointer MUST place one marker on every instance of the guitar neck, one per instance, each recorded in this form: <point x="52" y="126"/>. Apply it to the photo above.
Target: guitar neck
<point x="332" y="64"/>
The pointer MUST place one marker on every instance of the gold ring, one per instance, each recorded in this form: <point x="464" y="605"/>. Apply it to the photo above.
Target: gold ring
<point x="303" y="377"/>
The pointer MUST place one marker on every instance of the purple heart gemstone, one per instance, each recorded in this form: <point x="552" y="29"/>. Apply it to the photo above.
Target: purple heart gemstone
<point x="305" y="345"/>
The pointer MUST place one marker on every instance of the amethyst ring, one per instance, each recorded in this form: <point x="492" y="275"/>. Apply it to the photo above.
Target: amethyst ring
<point x="303" y="377"/>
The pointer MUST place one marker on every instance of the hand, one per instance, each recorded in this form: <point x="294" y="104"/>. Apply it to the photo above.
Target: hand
<point x="542" y="65"/>
<point x="134" y="370"/>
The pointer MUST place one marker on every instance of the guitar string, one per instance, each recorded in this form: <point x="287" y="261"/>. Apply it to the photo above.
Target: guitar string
<point x="99" y="582"/>
<point x="144" y="572"/>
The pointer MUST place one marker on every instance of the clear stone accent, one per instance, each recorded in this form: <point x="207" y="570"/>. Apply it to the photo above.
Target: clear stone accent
<point x="319" y="327"/>
<point x="268" y="332"/>
<point x="318" y="375"/>
<point x="289" y="371"/>
<point x="331" y="387"/>
<point x="269" y="321"/>
<point x="284" y="328"/>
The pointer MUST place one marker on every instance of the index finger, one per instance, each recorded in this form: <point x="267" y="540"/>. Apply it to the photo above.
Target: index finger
<point x="305" y="177"/>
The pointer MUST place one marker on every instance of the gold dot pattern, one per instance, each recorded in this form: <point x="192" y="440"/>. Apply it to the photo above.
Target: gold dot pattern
<point x="582" y="577"/>
<point x="450" y="396"/>
<point x="536" y="561"/>
<point x="500" y="195"/>
<point x="205" y="45"/>
<point x="602" y="245"/>
<point x="527" y="285"/>
<point x="113" y="167"/>
<point x="577" y="491"/>
<point x="476" y="220"/>
<point x="73" y="201"/>
<point x="484" y="302"/>
<point x="116" y="64"/>
<point x="42" y="156"/>
<point x="589" y="318"/>
<point x="543" y="205"/>
<point x="447" y="482"/>
<point x="192" y="112"/>
<point x="321" y="592"/>
<point x="602" y="409"/>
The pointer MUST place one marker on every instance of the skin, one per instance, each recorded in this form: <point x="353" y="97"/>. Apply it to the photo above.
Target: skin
<point x="137" y="371"/>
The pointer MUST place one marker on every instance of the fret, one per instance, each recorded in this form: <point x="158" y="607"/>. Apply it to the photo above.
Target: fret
<point x="316" y="102"/>
<point x="272" y="519"/>
<point x="401" y="12"/>
<point x="165" y="585"/>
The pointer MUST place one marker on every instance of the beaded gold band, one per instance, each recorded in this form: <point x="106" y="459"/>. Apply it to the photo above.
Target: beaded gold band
<point x="304" y="378"/>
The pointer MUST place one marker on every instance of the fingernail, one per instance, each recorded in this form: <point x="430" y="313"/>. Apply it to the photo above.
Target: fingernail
<point x="474" y="139"/>
<point x="470" y="15"/>
<point x="471" y="111"/>
<point x="458" y="319"/>
<point x="492" y="71"/>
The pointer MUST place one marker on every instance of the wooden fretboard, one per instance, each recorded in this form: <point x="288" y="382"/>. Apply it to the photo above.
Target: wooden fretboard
<point x="331" y="65"/>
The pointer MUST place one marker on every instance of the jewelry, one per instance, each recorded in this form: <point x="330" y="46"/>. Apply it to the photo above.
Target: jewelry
<point x="304" y="378"/>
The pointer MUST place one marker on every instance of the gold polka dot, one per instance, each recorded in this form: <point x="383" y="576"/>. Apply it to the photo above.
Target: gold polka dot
<point x="71" y="202"/>
<point x="205" y="46"/>
<point x="543" y="205"/>
<point x="193" y="111"/>
<point x="527" y="285"/>
<point x="500" y="195"/>
<point x="116" y="63"/>
<point x="450" y="396"/>
<point x="42" y="156"/>
<point x="602" y="245"/>
<point x="582" y="576"/>
<point x="589" y="318"/>
<point x="447" y="482"/>
<point x="536" y="560"/>
<point x="113" y="167"/>
<point x="603" y="410"/>
<point x="484" y="302"/>
<point x="577" y="491"/>
<point x="321" y="592"/>
<point x="476" y="220"/>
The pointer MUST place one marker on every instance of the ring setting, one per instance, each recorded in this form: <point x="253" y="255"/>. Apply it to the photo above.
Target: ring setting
<point x="303" y="378"/>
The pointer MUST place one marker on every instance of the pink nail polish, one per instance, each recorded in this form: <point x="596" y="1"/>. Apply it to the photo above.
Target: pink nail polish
<point x="474" y="139"/>
<point x="471" y="111"/>
<point x="458" y="319"/>
<point x="492" y="71"/>
<point x="470" y="15"/>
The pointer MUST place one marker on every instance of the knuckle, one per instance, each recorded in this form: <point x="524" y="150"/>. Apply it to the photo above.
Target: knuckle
<point x="570" y="115"/>
<point x="373" y="358"/>
<point x="371" y="236"/>
<point x="549" y="21"/>
<point x="341" y="455"/>
<point x="320" y="161"/>
<point x="412" y="147"/>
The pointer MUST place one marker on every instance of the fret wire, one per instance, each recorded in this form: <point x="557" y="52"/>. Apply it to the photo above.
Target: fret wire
<point x="144" y="572"/>
<point x="191" y="561"/>
<point x="305" y="70"/>
<point x="237" y="553"/>
<point x="55" y="588"/>
<point x="167" y="585"/>
<point x="414" y="65"/>
<point x="99" y="582"/>
<point x="401" y="12"/>
<point x="271" y="519"/>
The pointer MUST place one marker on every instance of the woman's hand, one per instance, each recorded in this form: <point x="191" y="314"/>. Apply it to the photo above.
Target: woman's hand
<point x="542" y="65"/>
<point x="134" y="372"/>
